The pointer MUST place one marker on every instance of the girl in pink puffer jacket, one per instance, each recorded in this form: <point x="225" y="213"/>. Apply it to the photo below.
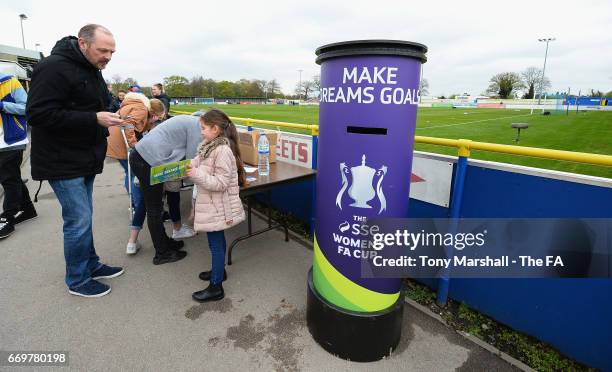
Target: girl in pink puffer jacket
<point x="218" y="172"/>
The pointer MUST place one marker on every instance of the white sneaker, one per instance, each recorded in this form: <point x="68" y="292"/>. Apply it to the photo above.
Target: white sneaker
<point x="132" y="248"/>
<point x="183" y="233"/>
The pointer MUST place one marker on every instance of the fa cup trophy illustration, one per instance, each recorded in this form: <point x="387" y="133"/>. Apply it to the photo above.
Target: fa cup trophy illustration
<point x="361" y="189"/>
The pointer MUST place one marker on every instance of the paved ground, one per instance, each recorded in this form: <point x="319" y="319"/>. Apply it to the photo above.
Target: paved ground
<point x="149" y="321"/>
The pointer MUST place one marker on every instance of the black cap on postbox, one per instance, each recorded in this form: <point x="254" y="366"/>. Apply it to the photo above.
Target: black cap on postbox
<point x="372" y="47"/>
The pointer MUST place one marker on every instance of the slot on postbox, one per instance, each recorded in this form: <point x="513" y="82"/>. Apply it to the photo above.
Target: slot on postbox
<point x="366" y="130"/>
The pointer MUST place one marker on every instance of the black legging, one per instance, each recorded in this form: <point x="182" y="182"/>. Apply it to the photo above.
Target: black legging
<point x="174" y="205"/>
<point x="153" y="202"/>
<point x="16" y="194"/>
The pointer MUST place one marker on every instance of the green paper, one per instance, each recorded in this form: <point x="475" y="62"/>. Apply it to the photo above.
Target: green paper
<point x="169" y="172"/>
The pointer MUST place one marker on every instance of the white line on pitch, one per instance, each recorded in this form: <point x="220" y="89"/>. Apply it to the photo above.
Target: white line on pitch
<point x="472" y="122"/>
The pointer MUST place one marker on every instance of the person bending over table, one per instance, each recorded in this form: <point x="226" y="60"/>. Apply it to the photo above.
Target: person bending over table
<point x="173" y="140"/>
<point x="140" y="113"/>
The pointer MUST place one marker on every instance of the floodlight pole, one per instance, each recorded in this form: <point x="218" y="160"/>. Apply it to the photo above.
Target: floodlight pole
<point x="547" y="40"/>
<point x="300" y="86"/>
<point x="22" y="17"/>
<point x="421" y="82"/>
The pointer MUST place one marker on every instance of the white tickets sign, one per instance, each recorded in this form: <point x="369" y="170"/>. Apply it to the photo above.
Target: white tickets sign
<point x="295" y="149"/>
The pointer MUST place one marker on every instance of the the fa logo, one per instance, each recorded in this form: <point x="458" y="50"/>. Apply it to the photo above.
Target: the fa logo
<point x="361" y="189"/>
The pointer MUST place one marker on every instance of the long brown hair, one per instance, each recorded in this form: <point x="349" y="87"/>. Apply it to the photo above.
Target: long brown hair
<point x="216" y="117"/>
<point x="157" y="108"/>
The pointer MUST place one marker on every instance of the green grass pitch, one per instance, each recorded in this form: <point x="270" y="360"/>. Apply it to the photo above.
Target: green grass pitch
<point x="584" y="131"/>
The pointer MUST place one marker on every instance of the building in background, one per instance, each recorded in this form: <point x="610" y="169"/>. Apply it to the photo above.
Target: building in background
<point x="19" y="62"/>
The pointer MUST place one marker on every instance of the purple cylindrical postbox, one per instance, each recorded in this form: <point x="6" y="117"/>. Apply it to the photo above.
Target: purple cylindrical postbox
<point x="368" y="103"/>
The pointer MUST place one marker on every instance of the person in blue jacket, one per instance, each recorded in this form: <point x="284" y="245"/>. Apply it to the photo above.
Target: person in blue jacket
<point x="17" y="206"/>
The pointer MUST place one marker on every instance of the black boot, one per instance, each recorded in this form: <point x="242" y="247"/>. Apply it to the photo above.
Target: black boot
<point x="205" y="275"/>
<point x="214" y="292"/>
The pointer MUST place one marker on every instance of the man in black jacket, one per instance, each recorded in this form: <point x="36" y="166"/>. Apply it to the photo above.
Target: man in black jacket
<point x="66" y="109"/>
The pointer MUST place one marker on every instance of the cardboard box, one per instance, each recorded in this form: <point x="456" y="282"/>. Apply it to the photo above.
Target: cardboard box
<point x="247" y="142"/>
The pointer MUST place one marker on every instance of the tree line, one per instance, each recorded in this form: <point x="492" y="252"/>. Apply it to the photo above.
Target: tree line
<point x="510" y="84"/>
<point x="529" y="83"/>
<point x="525" y="84"/>
<point x="198" y="86"/>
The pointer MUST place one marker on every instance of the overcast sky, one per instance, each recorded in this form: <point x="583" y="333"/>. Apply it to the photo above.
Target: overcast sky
<point x="468" y="41"/>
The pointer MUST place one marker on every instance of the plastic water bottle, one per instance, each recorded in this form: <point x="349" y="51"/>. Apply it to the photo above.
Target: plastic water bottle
<point x="263" y="150"/>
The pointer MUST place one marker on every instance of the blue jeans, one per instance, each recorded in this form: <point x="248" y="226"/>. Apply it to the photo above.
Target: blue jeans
<point x="216" y="243"/>
<point x="137" y="199"/>
<point x="75" y="197"/>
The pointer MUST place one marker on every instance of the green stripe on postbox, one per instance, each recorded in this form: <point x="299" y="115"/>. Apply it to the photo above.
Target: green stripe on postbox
<point x="344" y="293"/>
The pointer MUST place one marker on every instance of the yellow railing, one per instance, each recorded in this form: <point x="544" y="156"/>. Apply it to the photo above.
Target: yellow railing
<point x="464" y="146"/>
<point x="313" y="128"/>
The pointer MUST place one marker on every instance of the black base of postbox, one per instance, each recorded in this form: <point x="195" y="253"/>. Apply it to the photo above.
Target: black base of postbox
<point x="355" y="336"/>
